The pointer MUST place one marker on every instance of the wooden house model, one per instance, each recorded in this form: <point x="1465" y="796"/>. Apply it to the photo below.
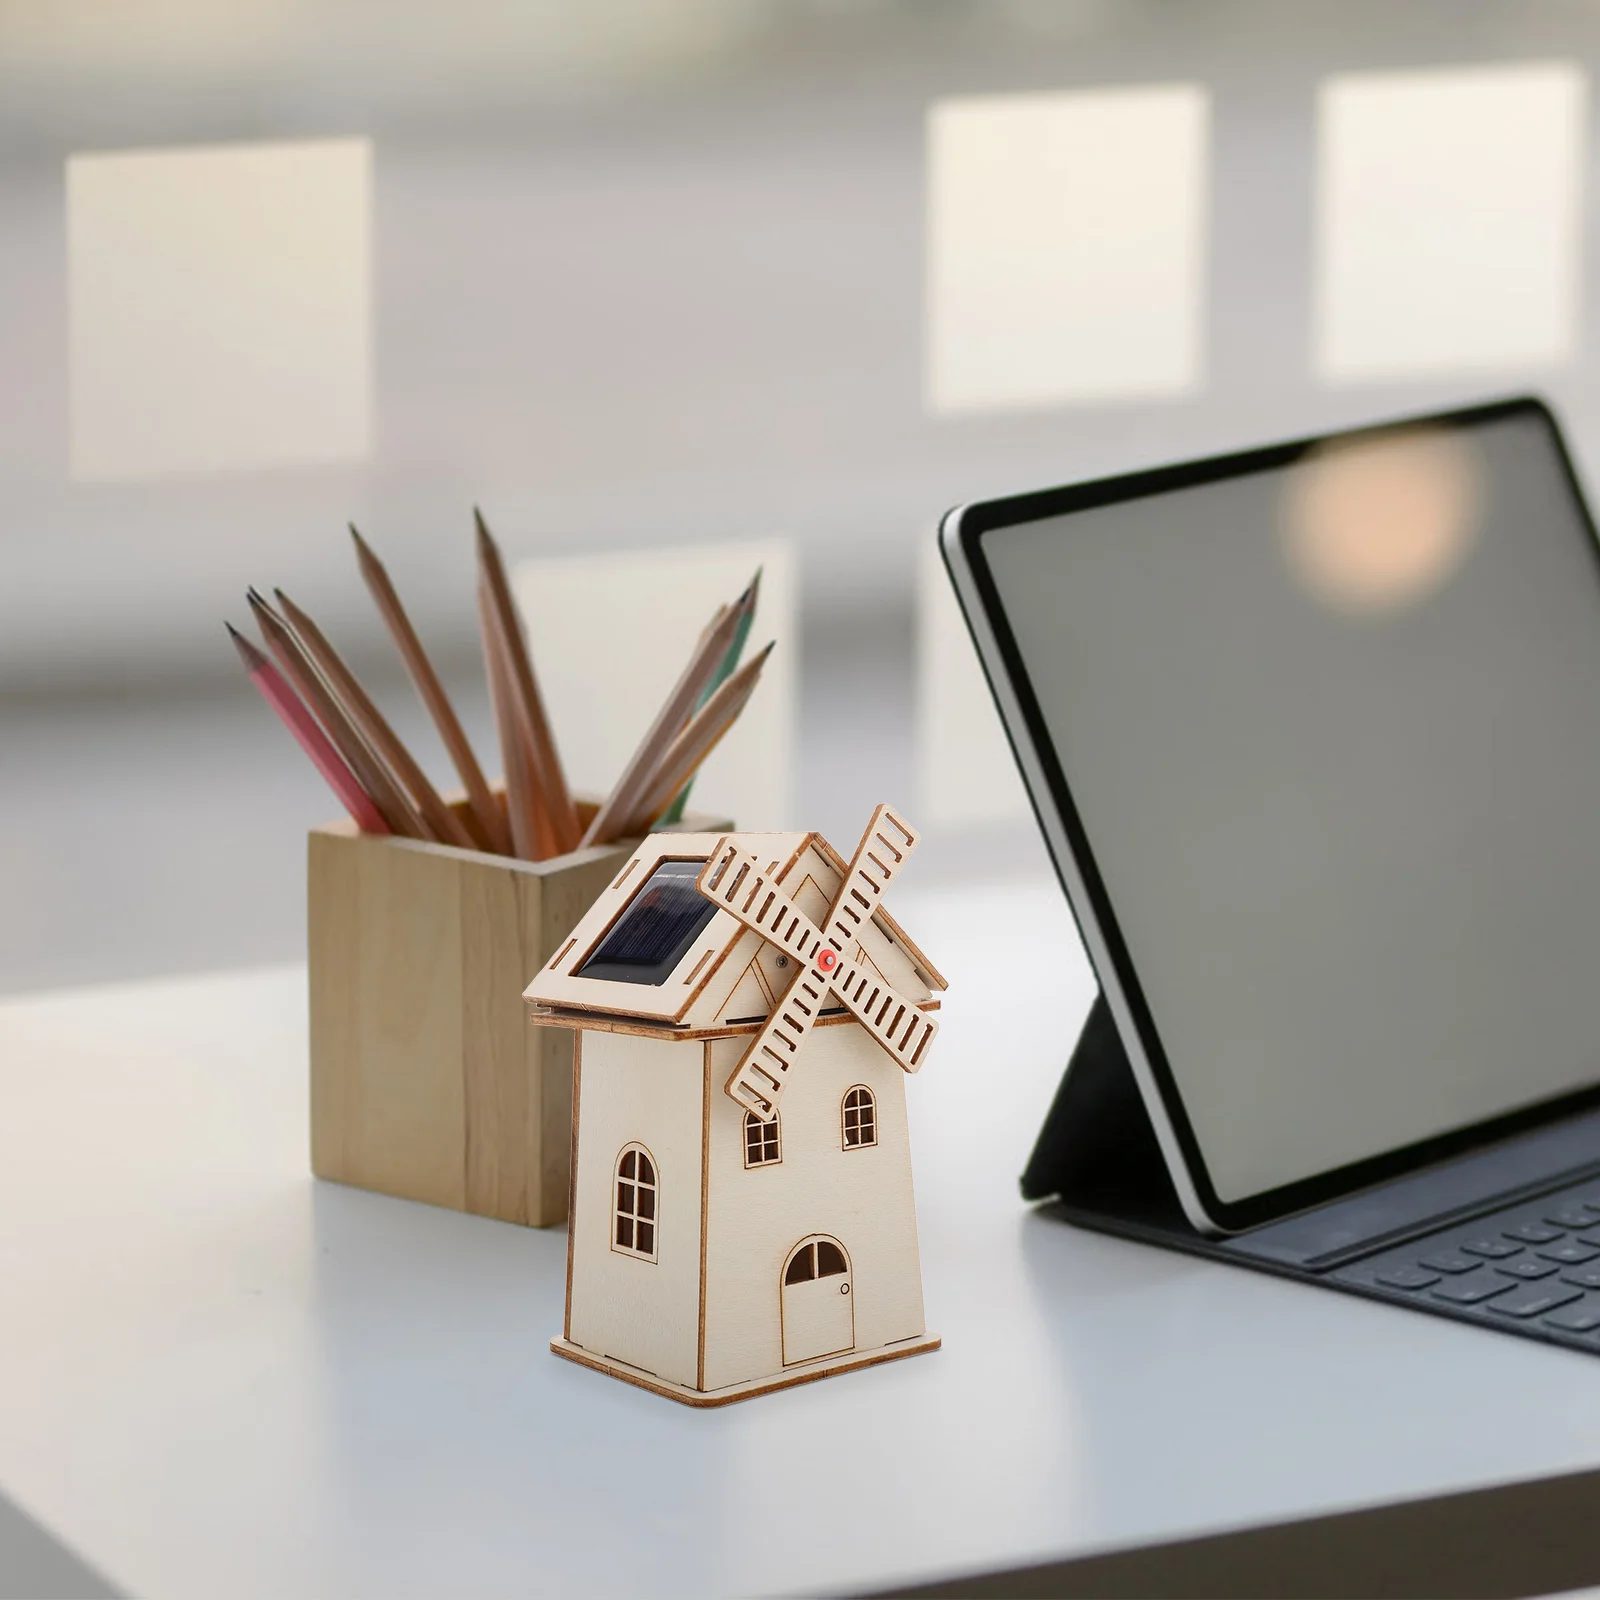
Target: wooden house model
<point x="745" y="1015"/>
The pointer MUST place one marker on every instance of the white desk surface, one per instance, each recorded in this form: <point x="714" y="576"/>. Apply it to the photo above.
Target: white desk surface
<point x="218" y="1376"/>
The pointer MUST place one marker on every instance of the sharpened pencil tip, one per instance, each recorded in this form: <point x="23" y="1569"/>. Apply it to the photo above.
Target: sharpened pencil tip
<point x="745" y="605"/>
<point x="373" y="572"/>
<point x="297" y="618"/>
<point x="248" y="653"/>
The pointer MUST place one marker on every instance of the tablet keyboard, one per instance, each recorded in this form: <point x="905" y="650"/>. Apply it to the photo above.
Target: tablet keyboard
<point x="1535" y="1265"/>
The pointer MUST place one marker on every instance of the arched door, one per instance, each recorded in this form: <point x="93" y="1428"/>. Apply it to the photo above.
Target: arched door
<point x="819" y="1316"/>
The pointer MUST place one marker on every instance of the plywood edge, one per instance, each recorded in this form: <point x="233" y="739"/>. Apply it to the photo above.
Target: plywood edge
<point x="572" y="1181"/>
<point x="705" y="1211"/>
<point x="600" y="1022"/>
<point x="921" y="1344"/>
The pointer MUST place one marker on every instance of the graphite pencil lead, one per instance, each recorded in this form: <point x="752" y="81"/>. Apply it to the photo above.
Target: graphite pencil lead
<point x="367" y="556"/>
<point x="247" y="651"/>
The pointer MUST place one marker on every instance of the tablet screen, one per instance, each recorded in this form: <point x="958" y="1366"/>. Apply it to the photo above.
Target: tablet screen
<point x="1332" y="732"/>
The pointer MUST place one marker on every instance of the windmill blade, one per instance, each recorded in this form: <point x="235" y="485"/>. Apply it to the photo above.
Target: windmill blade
<point x="899" y="1025"/>
<point x="883" y="851"/>
<point x="733" y="880"/>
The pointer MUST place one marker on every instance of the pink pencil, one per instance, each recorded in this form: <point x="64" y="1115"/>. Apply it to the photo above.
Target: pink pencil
<point x="294" y="716"/>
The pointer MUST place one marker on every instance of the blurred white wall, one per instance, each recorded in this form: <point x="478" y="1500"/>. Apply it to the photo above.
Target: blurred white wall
<point x="647" y="274"/>
<point x="1066" y="246"/>
<point x="219" y="308"/>
<point x="965" y="771"/>
<point x="1449" y="220"/>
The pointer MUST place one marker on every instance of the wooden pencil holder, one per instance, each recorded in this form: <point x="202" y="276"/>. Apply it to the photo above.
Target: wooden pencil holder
<point x="426" y="1080"/>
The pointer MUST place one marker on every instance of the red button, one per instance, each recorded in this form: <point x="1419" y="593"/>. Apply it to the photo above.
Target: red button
<point x="827" y="960"/>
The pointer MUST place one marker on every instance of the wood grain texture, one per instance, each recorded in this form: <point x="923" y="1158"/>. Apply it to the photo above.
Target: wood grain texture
<point x="384" y="945"/>
<point x="709" y="1313"/>
<point x="572" y="1176"/>
<point x="643" y="1092"/>
<point x="499" y="1063"/>
<point x="706" y="1064"/>
<point x="861" y="1198"/>
<point x="426" y="1080"/>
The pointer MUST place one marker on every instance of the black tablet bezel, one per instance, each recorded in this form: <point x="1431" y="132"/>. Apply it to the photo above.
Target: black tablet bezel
<point x="969" y="524"/>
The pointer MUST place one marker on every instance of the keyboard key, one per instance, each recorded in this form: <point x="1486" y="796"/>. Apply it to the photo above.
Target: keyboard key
<point x="1583" y="1277"/>
<point x="1449" y="1261"/>
<point x="1469" y="1291"/>
<point x="1569" y="1252"/>
<point x="1490" y="1248"/>
<point x="1570" y="1217"/>
<point x="1528" y="1267"/>
<point x="1533" y="1233"/>
<point x="1410" y="1277"/>
<point x="1592" y="1237"/>
<point x="1533" y="1300"/>
<point x="1576" y="1319"/>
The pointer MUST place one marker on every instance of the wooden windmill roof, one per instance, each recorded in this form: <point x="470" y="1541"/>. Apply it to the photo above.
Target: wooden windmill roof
<point x="723" y="978"/>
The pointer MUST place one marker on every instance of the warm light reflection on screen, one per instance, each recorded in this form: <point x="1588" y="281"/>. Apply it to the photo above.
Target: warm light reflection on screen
<point x="1373" y="525"/>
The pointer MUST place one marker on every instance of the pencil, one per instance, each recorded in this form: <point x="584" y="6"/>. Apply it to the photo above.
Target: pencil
<point x="521" y="817"/>
<point x="695" y="743"/>
<point x="298" y="667"/>
<point x="746" y="607"/>
<point x="372" y="722"/>
<point x="710" y="649"/>
<point x="487" y="818"/>
<point x="551" y="795"/>
<point x="294" y="716"/>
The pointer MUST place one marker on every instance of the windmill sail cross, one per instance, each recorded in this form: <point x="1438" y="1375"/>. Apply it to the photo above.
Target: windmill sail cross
<point x="734" y="880"/>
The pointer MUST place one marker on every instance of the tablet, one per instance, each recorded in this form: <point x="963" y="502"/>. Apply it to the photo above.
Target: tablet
<point x="1313" y="736"/>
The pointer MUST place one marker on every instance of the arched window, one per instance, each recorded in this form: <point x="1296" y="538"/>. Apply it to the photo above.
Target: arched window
<point x="817" y="1258"/>
<point x="635" y="1231"/>
<point x="762" y="1141"/>
<point x="860" y="1118"/>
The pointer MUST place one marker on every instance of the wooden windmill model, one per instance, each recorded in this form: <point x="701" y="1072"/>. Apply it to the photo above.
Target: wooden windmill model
<point x="723" y="1244"/>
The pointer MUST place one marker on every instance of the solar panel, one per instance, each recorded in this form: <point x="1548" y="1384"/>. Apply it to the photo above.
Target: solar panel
<point x="656" y="931"/>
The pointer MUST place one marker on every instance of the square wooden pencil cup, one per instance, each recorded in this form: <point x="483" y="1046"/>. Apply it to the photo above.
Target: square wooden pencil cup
<point x="427" y="1081"/>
